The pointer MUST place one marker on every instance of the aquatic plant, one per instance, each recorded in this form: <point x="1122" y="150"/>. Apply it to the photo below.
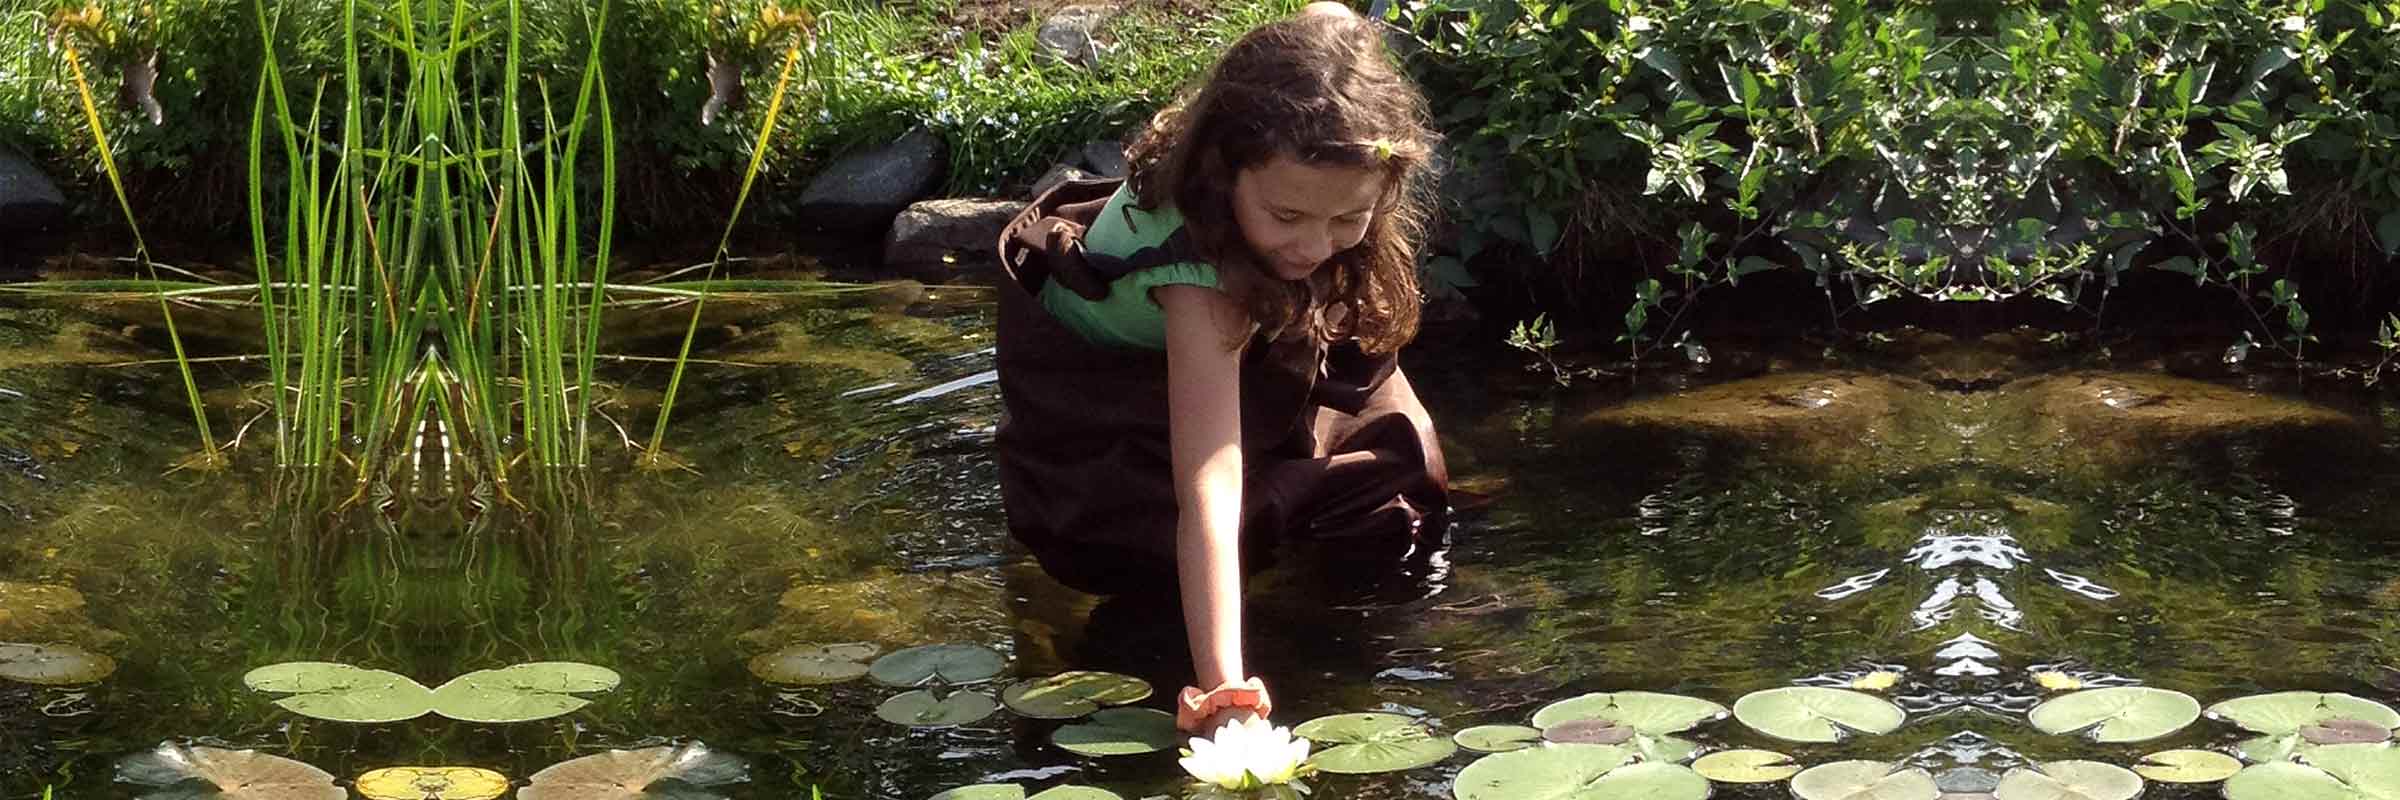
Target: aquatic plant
<point x="1118" y="732"/>
<point x="2069" y="780"/>
<point x="344" y="693"/>
<point x="431" y="783"/>
<point x="1069" y="695"/>
<point x="1817" y="714"/>
<point x="53" y="664"/>
<point x="1362" y="744"/>
<point x="814" y="664"/>
<point x="1010" y="791"/>
<point x="2188" y="766"/>
<point x="1881" y="780"/>
<point x="657" y="773"/>
<point x="1247" y="755"/>
<point x="232" y="774"/>
<point x="1746" y="766"/>
<point x="927" y="708"/>
<point x="1576" y="772"/>
<point x="2117" y="713"/>
<point x="2336" y="772"/>
<point x="2284" y="720"/>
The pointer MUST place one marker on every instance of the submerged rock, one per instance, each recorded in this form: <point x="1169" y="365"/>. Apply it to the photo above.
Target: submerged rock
<point x="36" y="612"/>
<point x="929" y="231"/>
<point x="2120" y="419"/>
<point x="862" y="192"/>
<point x="889" y="607"/>
<point x="1058" y="175"/>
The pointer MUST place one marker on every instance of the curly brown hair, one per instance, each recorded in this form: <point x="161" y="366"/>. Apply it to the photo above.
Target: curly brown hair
<point x="1321" y="89"/>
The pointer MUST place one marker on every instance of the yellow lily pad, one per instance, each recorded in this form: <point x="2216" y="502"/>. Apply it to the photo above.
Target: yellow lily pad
<point x="2188" y="766"/>
<point x="432" y="783"/>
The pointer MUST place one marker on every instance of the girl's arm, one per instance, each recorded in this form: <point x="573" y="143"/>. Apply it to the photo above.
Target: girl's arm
<point x="1204" y="331"/>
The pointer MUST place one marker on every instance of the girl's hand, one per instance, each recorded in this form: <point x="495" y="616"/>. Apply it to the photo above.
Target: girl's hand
<point x="1203" y="712"/>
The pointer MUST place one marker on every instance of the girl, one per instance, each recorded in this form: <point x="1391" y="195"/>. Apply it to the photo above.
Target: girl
<point x="1198" y="362"/>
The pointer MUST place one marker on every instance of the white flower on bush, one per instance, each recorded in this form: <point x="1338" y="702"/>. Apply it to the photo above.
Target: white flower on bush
<point x="1247" y="755"/>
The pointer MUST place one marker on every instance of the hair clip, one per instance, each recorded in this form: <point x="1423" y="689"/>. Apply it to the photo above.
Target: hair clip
<point x="1383" y="148"/>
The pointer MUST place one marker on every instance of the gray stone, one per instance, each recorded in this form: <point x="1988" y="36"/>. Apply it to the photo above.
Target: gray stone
<point x="931" y="230"/>
<point x="861" y="192"/>
<point x="1058" y="174"/>
<point x="1105" y="158"/>
<point x="1072" y="33"/>
<point x="29" y="201"/>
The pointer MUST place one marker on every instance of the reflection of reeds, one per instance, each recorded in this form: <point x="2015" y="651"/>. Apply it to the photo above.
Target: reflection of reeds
<point x="433" y="289"/>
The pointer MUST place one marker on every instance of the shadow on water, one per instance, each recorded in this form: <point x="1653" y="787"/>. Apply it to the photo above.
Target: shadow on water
<point x="1805" y="522"/>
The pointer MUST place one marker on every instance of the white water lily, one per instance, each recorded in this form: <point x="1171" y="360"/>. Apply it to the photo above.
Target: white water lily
<point x="1247" y="755"/>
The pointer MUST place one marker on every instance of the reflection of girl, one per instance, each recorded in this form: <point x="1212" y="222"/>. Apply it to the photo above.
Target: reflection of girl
<point x="1250" y="284"/>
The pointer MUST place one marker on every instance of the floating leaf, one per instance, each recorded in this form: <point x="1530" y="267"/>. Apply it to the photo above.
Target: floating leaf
<point x="921" y="709"/>
<point x="432" y="783"/>
<point x="522" y="693"/>
<point x="1119" y="732"/>
<point x="1651" y="780"/>
<point x="1664" y="749"/>
<point x="1363" y="744"/>
<point x="2057" y="681"/>
<point x="2188" y="766"/>
<point x="1588" y="731"/>
<point x="1746" y="766"/>
<point x="949" y="663"/>
<point x="814" y="664"/>
<point x="2287" y="712"/>
<point x="1817" y="714"/>
<point x="1647" y="712"/>
<point x="1069" y="695"/>
<point x="1863" y="780"/>
<point x="2070" y="780"/>
<point x="2117" y="714"/>
<point x="1010" y="791"/>
<point x="655" y="773"/>
<point x="1550" y="772"/>
<point x="1497" y="738"/>
<point x="2334" y="772"/>
<point x="235" y="774"/>
<point x="343" y="693"/>
<point x="53" y="664"/>
<point x="1876" y="681"/>
<point x="2346" y="731"/>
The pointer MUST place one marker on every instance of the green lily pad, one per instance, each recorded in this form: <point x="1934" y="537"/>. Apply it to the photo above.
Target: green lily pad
<point x="1664" y="749"/>
<point x="1648" y="712"/>
<point x="2116" y="714"/>
<point x="1863" y="780"/>
<point x="2346" y="731"/>
<point x="1010" y="791"/>
<point x="1588" y="731"/>
<point x="1550" y="772"/>
<point x="2287" y="712"/>
<point x="1497" y="738"/>
<point x="1817" y="714"/>
<point x="949" y="663"/>
<point x="343" y="693"/>
<point x="654" y="773"/>
<point x="1746" y="766"/>
<point x="53" y="664"/>
<point x="1651" y="780"/>
<point x="2188" y="766"/>
<point x="1119" y="732"/>
<point x="1069" y="695"/>
<point x="921" y="709"/>
<point x="1365" y="744"/>
<point x="2070" y="780"/>
<point x="227" y="774"/>
<point x="521" y="693"/>
<point x="814" y="664"/>
<point x="2334" y="772"/>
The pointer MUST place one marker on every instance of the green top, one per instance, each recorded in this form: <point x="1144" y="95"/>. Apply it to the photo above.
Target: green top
<point x="1151" y="250"/>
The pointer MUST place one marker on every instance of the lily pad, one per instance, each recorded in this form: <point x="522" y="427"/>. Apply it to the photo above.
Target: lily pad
<point x="343" y="693"/>
<point x="1550" y="772"/>
<point x="655" y="773"/>
<point x="949" y="663"/>
<point x="1664" y="749"/>
<point x="234" y="774"/>
<point x="432" y="783"/>
<point x="1647" y="712"/>
<point x="2188" y="766"/>
<point x="1069" y="695"/>
<point x="2334" y="772"/>
<point x="1497" y="738"/>
<point x="1863" y="780"/>
<point x="1817" y="714"/>
<point x="1119" y="732"/>
<point x="2070" y="780"/>
<point x="1010" y="791"/>
<point x="921" y="709"/>
<point x="53" y="664"/>
<point x="521" y="693"/>
<point x="814" y="664"/>
<point x="2346" y="731"/>
<point x="2288" y="712"/>
<point x="1365" y="744"/>
<point x="2117" y="713"/>
<point x="1746" y="766"/>
<point x="1588" y="731"/>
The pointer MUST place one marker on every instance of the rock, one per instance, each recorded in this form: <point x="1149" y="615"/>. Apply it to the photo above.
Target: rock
<point x="40" y="613"/>
<point x="860" y="193"/>
<point x="1106" y="158"/>
<point x="932" y="229"/>
<point x="29" y="201"/>
<point x="1057" y="175"/>
<point x="1072" y="33"/>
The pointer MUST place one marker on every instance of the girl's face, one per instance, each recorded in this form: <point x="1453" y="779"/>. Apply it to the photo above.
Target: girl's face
<point x="1296" y="215"/>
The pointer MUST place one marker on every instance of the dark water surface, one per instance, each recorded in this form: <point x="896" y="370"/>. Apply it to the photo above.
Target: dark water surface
<point x="1964" y="513"/>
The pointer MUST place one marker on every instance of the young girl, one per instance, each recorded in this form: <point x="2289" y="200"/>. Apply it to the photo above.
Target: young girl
<point x="1198" y="363"/>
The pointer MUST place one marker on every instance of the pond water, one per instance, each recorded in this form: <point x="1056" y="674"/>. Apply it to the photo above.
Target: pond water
<point x="1965" y="513"/>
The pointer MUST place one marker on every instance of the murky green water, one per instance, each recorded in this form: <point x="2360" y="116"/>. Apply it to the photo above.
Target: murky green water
<point x="1964" y="513"/>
